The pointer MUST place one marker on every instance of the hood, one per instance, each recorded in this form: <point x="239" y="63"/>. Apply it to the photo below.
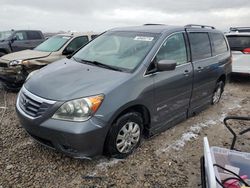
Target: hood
<point x="25" y="55"/>
<point x="67" y="79"/>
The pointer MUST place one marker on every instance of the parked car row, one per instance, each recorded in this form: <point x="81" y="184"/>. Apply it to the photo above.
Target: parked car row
<point x="15" y="67"/>
<point x="13" y="41"/>
<point x="127" y="83"/>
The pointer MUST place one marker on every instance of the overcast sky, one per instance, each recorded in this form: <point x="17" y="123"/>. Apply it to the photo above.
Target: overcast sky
<point x="100" y="15"/>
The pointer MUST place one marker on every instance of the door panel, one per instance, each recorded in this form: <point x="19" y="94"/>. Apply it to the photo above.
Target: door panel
<point x="173" y="88"/>
<point x="20" y="42"/>
<point x="172" y="93"/>
<point x="204" y="69"/>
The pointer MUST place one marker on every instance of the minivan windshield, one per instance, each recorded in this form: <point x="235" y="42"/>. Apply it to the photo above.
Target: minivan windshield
<point x="5" y="34"/>
<point x="118" y="49"/>
<point x="53" y="44"/>
<point x="237" y="42"/>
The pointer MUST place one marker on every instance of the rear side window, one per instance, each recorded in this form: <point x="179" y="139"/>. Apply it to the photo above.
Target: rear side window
<point x="218" y="42"/>
<point x="34" y="35"/>
<point x="237" y="42"/>
<point x="200" y="46"/>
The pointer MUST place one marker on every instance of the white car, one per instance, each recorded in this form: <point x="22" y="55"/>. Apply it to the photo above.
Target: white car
<point x="239" y="41"/>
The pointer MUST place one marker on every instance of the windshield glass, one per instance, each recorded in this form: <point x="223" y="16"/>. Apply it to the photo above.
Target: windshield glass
<point x="53" y="44"/>
<point x="5" y="34"/>
<point x="238" y="42"/>
<point x="124" y="50"/>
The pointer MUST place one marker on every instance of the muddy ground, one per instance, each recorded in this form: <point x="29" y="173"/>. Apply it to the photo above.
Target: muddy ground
<point x="170" y="159"/>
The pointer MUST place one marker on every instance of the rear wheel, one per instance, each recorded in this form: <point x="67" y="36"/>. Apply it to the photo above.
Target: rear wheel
<point x="218" y="92"/>
<point x="124" y="136"/>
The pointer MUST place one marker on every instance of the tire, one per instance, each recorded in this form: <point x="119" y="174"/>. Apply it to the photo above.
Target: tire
<point x="119" y="143"/>
<point x="219" y="88"/>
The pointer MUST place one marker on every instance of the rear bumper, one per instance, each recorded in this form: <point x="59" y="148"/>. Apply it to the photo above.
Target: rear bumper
<point x="75" y="139"/>
<point x="241" y="70"/>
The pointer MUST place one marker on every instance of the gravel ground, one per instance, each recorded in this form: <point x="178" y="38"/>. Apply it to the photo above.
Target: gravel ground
<point x="170" y="159"/>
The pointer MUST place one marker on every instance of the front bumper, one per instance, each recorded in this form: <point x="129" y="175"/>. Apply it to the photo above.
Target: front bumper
<point x="75" y="139"/>
<point x="12" y="78"/>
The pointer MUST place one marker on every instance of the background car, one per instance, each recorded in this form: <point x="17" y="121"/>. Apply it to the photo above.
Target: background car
<point x="15" y="67"/>
<point x="13" y="41"/>
<point x="239" y="41"/>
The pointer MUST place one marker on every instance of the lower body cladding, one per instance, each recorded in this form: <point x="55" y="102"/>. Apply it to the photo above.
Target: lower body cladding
<point x="76" y="139"/>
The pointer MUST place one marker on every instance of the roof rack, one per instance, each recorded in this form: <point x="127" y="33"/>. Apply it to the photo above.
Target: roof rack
<point x="200" y="26"/>
<point x="242" y="29"/>
<point x="152" y="24"/>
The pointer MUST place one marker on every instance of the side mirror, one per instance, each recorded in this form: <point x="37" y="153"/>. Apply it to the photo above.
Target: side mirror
<point x="166" y="65"/>
<point x="68" y="51"/>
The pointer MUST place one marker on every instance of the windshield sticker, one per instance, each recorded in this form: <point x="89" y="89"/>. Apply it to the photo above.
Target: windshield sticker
<point x="142" y="38"/>
<point x="66" y="37"/>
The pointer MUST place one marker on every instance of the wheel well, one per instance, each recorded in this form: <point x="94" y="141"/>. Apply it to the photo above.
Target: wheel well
<point x="222" y="78"/>
<point x="140" y="109"/>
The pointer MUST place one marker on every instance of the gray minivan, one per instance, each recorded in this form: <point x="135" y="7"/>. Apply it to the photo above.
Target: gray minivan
<point x="127" y="83"/>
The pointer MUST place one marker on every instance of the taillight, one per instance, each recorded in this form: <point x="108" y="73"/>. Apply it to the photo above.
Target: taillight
<point x="246" y="51"/>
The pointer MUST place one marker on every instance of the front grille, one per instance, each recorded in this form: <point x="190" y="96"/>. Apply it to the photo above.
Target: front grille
<point x="32" y="105"/>
<point x="3" y="65"/>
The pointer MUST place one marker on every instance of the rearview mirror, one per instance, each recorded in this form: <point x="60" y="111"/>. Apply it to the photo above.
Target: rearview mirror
<point x="166" y="65"/>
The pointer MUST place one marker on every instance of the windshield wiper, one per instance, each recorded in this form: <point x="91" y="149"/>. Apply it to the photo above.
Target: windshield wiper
<point x="99" y="64"/>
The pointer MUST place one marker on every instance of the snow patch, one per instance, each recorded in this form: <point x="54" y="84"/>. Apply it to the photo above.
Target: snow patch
<point x="105" y="164"/>
<point x="186" y="137"/>
<point x="192" y="133"/>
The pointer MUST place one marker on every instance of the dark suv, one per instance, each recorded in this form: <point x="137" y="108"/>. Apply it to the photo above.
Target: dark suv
<point x="16" y="40"/>
<point x="126" y="83"/>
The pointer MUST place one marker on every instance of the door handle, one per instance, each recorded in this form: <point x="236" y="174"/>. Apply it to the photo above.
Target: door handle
<point x="186" y="73"/>
<point x="200" y="69"/>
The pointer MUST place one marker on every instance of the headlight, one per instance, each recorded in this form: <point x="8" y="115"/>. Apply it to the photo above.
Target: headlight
<point x="79" y="109"/>
<point x="15" y="62"/>
<point x="18" y="62"/>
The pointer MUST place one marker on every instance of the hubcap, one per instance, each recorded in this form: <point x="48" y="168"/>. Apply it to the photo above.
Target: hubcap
<point x="217" y="95"/>
<point x="128" y="137"/>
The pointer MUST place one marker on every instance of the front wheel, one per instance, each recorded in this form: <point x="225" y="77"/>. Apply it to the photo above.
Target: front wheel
<point x="124" y="136"/>
<point x="218" y="92"/>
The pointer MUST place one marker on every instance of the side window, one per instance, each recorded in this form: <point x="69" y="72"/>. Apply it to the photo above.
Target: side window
<point x="77" y="43"/>
<point x="33" y="35"/>
<point x="200" y="46"/>
<point x="219" y="44"/>
<point x="174" y="48"/>
<point x="20" y="35"/>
